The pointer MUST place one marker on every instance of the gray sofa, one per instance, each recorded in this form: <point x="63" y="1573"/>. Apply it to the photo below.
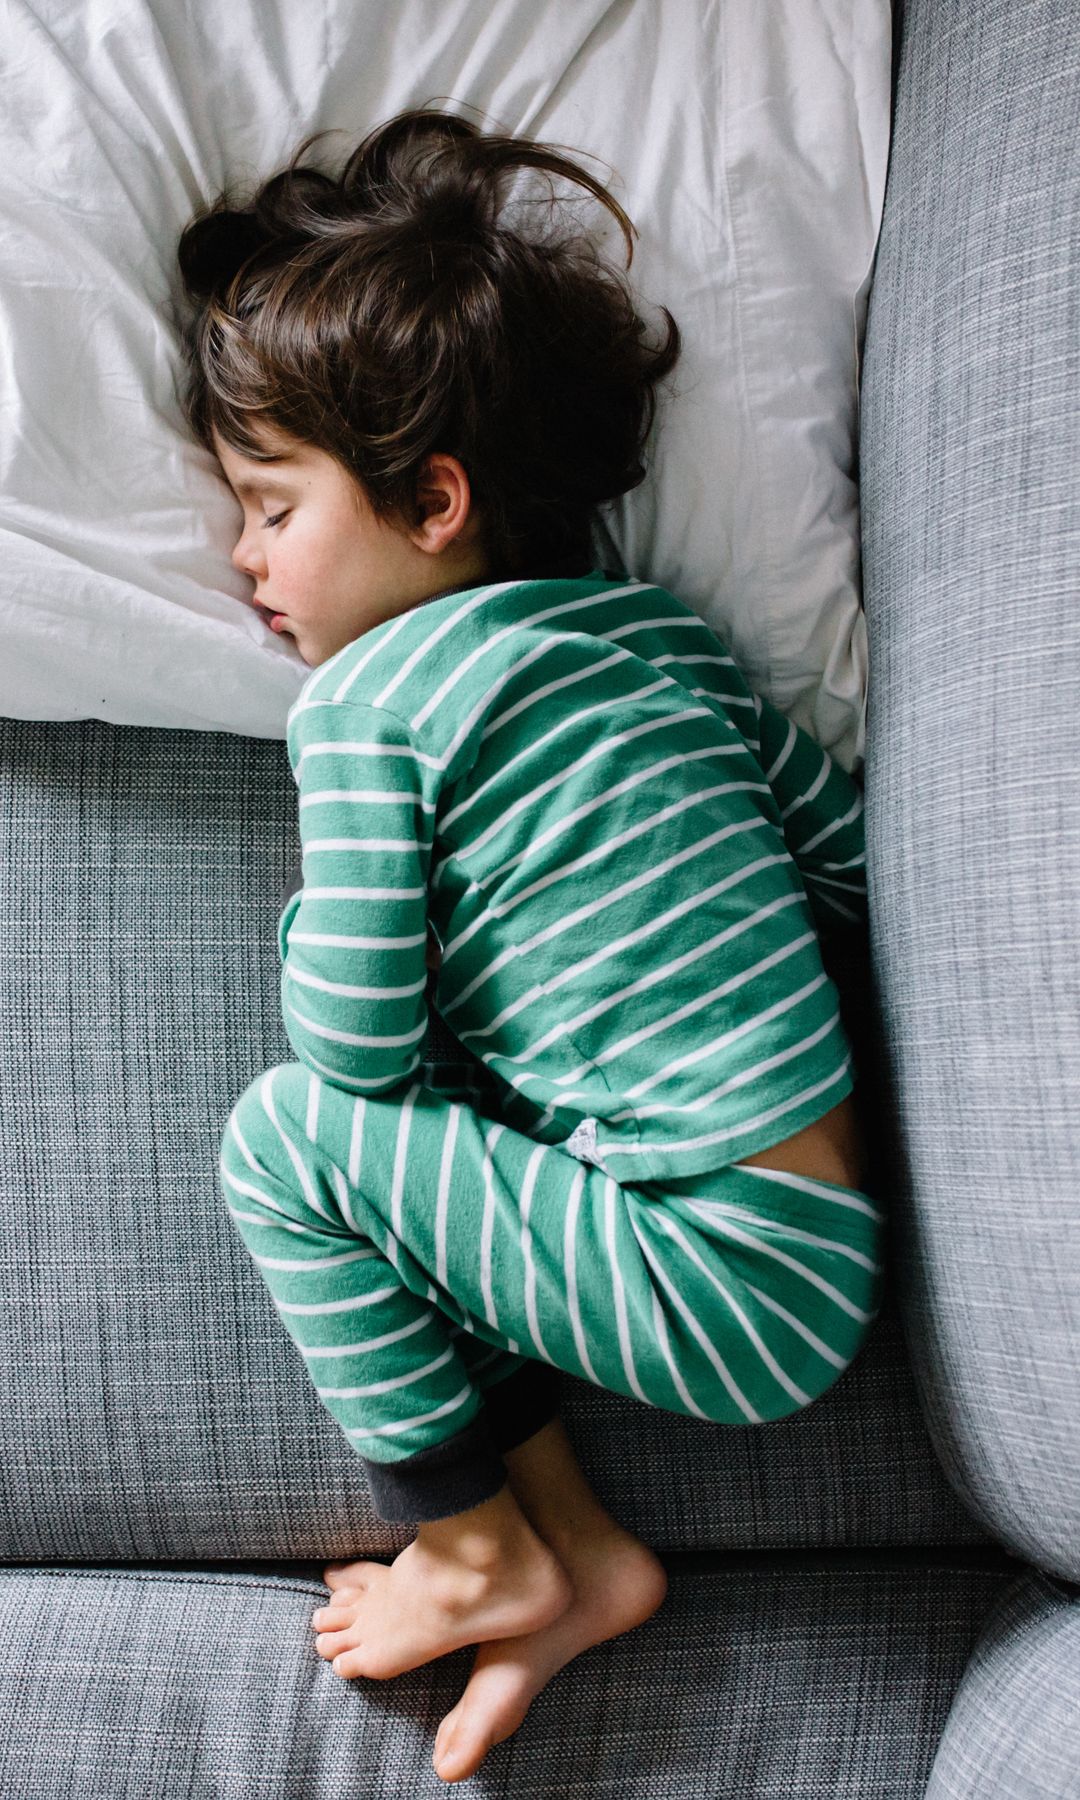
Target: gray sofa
<point x="875" y="1598"/>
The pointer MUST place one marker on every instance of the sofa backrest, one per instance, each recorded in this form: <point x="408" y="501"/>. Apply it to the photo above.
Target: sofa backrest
<point x="969" y="452"/>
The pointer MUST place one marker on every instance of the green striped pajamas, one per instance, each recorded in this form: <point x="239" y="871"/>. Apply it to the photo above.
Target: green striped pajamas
<point x="626" y="859"/>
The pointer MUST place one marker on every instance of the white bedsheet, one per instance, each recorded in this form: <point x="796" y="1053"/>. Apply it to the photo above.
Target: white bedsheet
<point x="749" y="143"/>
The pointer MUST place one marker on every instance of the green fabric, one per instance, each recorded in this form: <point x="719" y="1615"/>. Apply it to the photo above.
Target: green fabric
<point x="417" y="1250"/>
<point x="625" y="855"/>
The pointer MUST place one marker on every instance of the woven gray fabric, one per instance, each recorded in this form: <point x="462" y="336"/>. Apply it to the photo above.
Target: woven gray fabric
<point x="154" y="1404"/>
<point x="748" y="1684"/>
<point x="1014" y="1728"/>
<point x="970" y="442"/>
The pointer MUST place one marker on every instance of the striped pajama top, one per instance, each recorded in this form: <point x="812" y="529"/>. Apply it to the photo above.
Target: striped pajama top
<point x="625" y="855"/>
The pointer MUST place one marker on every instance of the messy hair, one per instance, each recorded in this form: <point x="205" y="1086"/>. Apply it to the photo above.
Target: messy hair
<point x="395" y="311"/>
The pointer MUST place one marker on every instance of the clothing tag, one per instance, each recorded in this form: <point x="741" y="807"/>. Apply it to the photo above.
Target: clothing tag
<point x="582" y="1144"/>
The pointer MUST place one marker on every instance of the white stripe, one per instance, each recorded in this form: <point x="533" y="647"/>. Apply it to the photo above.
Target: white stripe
<point x="342" y="941"/>
<point x="352" y="1304"/>
<point x="804" y="1331"/>
<point x="567" y="1027"/>
<point x="779" y="1374"/>
<point x="248" y="1187"/>
<point x="387" y="636"/>
<point x="845" y="911"/>
<point x="401" y="1157"/>
<point x="730" y="1211"/>
<point x="718" y="1363"/>
<point x="535" y="745"/>
<point x="442" y="1201"/>
<point x="570" y="1264"/>
<point x="836" y="825"/>
<point x="364" y="893"/>
<point x="361" y="844"/>
<point x="358" y="1037"/>
<point x="789" y="745"/>
<point x="266" y="1095"/>
<point x="553" y="687"/>
<point x="439" y="1412"/>
<point x="391" y="1383"/>
<point x="812" y="791"/>
<point x="719" y="1137"/>
<point x="350" y="992"/>
<point x="356" y="1145"/>
<point x="618" y="945"/>
<point x="434" y="637"/>
<point x="497" y="910"/>
<point x="599" y="801"/>
<point x="370" y="1083"/>
<point x="375" y="1343"/>
<point x="516" y="625"/>
<point x="820" y="1189"/>
<point x="699" y="1054"/>
<point x="311" y="1120"/>
<point x="269" y="1224"/>
<point x="487" y="1227"/>
<point x="740" y="1079"/>
<point x="789" y="1262"/>
<point x="301" y="1265"/>
<point x="604" y="748"/>
<point x="531" y="1172"/>
<point x="619" y="1290"/>
<point x="365" y="747"/>
<point x="365" y="797"/>
<point x="679" y="656"/>
<point x="660" y="1328"/>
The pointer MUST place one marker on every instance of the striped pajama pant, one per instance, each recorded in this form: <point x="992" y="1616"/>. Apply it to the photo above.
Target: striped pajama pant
<point x="436" y="1268"/>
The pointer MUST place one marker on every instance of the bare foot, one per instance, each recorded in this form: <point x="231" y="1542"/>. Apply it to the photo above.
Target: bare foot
<point x="618" y="1583"/>
<point x="479" y="1575"/>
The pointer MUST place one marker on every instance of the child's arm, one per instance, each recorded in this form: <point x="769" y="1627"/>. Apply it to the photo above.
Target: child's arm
<point x="823" y="814"/>
<point x="353" y="940"/>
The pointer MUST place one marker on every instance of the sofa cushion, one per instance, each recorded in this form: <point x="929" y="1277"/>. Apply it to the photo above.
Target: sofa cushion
<point x="750" y="1683"/>
<point x="970" y="443"/>
<point x="155" y="1406"/>
<point x="1014" y="1727"/>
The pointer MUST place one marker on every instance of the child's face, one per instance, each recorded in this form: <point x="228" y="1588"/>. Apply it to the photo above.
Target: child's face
<point x="330" y="569"/>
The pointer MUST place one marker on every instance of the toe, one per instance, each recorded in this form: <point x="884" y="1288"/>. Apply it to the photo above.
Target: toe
<point x="340" y="1576"/>
<point x="335" y="1615"/>
<point x="348" y="1664"/>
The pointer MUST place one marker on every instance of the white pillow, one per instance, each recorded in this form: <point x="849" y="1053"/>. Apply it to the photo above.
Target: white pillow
<point x="749" y="143"/>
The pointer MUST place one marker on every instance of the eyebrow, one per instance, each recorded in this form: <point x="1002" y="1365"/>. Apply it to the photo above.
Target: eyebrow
<point x="265" y="484"/>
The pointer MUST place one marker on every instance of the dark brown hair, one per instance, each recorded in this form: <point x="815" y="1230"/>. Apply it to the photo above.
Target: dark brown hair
<point x="394" y="311"/>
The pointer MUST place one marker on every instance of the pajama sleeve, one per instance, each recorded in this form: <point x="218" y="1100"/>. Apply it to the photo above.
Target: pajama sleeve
<point x="821" y="806"/>
<point x="352" y="939"/>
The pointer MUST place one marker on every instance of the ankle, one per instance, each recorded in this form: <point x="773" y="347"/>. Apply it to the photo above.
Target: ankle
<point x="482" y="1538"/>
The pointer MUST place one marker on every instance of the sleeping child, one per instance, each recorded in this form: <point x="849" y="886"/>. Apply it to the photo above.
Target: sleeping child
<point x="540" y="798"/>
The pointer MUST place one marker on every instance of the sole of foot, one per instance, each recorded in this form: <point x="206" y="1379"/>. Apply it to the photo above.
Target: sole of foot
<point x="618" y="1583"/>
<point x="383" y="1620"/>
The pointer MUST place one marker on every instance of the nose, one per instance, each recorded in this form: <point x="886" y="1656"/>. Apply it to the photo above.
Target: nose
<point x="242" y="558"/>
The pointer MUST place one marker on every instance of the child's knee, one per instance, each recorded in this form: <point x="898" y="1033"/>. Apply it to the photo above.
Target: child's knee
<point x="277" y="1094"/>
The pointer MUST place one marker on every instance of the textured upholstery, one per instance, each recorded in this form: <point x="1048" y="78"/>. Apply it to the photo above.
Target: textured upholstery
<point x="970" y="443"/>
<point x="1014" y="1728"/>
<point x="156" y="1407"/>
<point x="775" y="1682"/>
<point x="153" y="1409"/>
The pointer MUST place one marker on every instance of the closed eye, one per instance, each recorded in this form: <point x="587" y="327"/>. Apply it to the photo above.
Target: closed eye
<point x="276" y="520"/>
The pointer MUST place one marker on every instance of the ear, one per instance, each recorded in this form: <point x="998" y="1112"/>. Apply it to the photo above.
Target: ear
<point x="445" y="502"/>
